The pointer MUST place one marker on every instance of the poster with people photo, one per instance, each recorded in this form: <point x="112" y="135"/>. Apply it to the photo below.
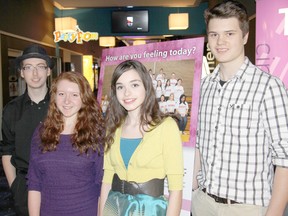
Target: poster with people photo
<point x="175" y="69"/>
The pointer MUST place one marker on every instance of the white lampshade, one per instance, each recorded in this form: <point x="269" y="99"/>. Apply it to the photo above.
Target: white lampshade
<point x="67" y="24"/>
<point x="139" y="42"/>
<point x="107" y="41"/>
<point x="178" y="21"/>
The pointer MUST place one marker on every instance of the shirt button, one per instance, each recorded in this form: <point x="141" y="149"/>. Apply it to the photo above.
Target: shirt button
<point x="219" y="108"/>
<point x="39" y="108"/>
<point x="219" y="90"/>
<point x="216" y="127"/>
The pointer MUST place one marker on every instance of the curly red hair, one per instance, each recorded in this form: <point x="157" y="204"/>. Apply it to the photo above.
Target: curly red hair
<point x="89" y="130"/>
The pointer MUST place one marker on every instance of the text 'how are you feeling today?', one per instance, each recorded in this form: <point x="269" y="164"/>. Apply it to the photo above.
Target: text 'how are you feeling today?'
<point x="153" y="54"/>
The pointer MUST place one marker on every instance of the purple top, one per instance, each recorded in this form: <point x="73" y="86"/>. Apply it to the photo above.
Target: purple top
<point x="69" y="183"/>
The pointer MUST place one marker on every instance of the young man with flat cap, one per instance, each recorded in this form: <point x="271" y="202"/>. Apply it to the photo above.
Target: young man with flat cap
<point x="242" y="127"/>
<point x="20" y="118"/>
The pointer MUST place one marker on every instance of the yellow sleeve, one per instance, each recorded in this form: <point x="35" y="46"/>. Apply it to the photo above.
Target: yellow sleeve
<point x="173" y="154"/>
<point x="108" y="168"/>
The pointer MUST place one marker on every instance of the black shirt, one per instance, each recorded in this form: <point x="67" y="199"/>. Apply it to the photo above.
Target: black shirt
<point x="222" y="82"/>
<point x="20" y="118"/>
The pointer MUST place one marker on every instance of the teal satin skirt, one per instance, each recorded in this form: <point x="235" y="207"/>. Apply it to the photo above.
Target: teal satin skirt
<point x="119" y="204"/>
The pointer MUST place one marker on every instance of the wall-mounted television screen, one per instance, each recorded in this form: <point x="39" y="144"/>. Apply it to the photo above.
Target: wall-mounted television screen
<point x="130" y="21"/>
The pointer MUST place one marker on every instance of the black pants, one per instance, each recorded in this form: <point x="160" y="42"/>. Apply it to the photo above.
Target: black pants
<point x="20" y="195"/>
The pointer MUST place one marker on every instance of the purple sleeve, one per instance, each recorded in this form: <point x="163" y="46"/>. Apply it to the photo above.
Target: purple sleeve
<point x="34" y="174"/>
<point x="99" y="170"/>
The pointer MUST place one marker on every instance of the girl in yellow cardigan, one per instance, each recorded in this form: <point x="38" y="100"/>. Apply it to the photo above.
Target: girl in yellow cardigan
<point x="144" y="148"/>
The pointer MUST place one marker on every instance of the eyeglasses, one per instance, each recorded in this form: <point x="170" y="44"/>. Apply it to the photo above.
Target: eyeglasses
<point x="39" y="68"/>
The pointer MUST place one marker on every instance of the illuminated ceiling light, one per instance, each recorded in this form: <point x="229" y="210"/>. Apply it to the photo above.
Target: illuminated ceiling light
<point x="107" y="41"/>
<point x="178" y="21"/>
<point x="65" y="24"/>
<point x="139" y="42"/>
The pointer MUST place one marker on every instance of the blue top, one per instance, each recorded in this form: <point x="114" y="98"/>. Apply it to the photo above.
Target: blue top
<point x="69" y="183"/>
<point x="127" y="148"/>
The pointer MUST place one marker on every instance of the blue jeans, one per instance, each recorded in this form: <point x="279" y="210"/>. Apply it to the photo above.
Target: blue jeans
<point x="182" y="123"/>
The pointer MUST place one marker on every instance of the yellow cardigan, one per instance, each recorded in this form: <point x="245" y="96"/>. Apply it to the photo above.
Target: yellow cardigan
<point x="158" y="155"/>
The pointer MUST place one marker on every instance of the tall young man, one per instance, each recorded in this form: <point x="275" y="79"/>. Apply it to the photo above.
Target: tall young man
<point x="20" y="118"/>
<point x="243" y="127"/>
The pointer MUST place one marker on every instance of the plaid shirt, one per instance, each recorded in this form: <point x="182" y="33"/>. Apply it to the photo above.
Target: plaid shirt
<point x="242" y="132"/>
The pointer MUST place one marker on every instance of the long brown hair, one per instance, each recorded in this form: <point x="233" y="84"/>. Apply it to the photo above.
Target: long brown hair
<point x="150" y="114"/>
<point x="89" y="130"/>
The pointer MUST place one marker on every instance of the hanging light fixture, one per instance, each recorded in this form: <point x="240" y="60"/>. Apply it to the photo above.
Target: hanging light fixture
<point x="178" y="21"/>
<point x="65" y="24"/>
<point x="107" y="41"/>
<point x="139" y="42"/>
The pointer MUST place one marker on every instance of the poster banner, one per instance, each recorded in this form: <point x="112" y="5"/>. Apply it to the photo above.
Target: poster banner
<point x="272" y="37"/>
<point x="179" y="59"/>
